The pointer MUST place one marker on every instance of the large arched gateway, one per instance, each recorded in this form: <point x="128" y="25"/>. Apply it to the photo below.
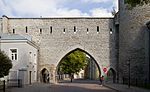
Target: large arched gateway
<point x="91" y="57"/>
<point x="56" y="37"/>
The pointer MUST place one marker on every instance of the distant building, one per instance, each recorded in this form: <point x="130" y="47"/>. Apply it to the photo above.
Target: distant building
<point x="23" y="54"/>
<point x="91" y="70"/>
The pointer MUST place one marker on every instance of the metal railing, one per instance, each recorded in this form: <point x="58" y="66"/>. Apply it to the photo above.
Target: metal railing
<point x="10" y="83"/>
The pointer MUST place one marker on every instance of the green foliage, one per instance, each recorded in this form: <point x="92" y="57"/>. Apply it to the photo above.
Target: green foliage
<point x="133" y="3"/>
<point x="73" y="63"/>
<point x="5" y="64"/>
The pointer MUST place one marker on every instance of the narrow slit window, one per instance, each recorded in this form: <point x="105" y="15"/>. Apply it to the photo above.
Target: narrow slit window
<point x="51" y="29"/>
<point x="13" y="31"/>
<point x="40" y="31"/>
<point x="26" y="29"/>
<point x="97" y="29"/>
<point x="74" y="28"/>
<point x="64" y="31"/>
<point x="110" y="30"/>
<point x="87" y="30"/>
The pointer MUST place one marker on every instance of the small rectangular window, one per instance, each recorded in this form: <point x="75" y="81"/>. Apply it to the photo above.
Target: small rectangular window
<point x="26" y="29"/>
<point x="64" y="31"/>
<point x="74" y="28"/>
<point x="110" y="30"/>
<point x="40" y="31"/>
<point x="13" y="31"/>
<point x="97" y="28"/>
<point x="51" y="29"/>
<point x="87" y="30"/>
<point x="13" y="54"/>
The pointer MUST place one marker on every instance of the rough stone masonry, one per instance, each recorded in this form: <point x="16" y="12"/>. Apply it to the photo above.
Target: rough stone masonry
<point x="56" y="37"/>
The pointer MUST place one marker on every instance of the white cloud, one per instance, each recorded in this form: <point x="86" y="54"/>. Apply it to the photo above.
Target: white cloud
<point x="95" y="1"/>
<point x="38" y="8"/>
<point x="100" y="12"/>
<point x="47" y="8"/>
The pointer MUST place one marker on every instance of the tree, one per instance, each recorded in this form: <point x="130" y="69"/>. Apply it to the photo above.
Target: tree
<point x="5" y="64"/>
<point x="73" y="63"/>
<point x="133" y="3"/>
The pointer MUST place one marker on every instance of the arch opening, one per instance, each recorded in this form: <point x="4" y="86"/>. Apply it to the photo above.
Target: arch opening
<point x="91" y="69"/>
<point x="111" y="76"/>
<point x="45" y="76"/>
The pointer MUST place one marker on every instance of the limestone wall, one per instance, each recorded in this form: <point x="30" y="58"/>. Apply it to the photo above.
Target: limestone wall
<point x="63" y="38"/>
<point x="133" y="41"/>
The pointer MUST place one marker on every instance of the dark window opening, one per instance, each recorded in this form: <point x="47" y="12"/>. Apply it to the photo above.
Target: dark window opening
<point x="87" y="30"/>
<point x="64" y="30"/>
<point x="110" y="30"/>
<point x="51" y="29"/>
<point x="74" y="28"/>
<point x="97" y="28"/>
<point x="40" y="31"/>
<point x="26" y="29"/>
<point x="13" y="31"/>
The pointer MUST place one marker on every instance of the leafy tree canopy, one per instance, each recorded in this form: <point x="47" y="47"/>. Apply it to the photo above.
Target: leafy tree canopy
<point x="5" y="64"/>
<point x="73" y="63"/>
<point x="133" y="3"/>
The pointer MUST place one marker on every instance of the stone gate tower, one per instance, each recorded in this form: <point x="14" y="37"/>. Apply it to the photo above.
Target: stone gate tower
<point x="134" y="40"/>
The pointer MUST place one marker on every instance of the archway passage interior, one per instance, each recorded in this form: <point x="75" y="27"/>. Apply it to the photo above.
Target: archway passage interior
<point x="80" y="60"/>
<point x="45" y="76"/>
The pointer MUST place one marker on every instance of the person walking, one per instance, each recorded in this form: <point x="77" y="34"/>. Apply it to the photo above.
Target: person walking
<point x="101" y="80"/>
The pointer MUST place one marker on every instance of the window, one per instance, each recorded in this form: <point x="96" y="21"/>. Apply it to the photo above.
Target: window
<point x="110" y="30"/>
<point x="74" y="29"/>
<point x="13" y="31"/>
<point x="97" y="29"/>
<point x="40" y="31"/>
<point x="13" y="54"/>
<point x="87" y="30"/>
<point x="64" y="30"/>
<point x="51" y="29"/>
<point x="26" y="30"/>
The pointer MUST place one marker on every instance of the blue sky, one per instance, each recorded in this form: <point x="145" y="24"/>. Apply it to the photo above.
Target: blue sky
<point x="57" y="8"/>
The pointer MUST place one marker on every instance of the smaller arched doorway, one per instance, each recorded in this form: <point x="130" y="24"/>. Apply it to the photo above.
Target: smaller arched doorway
<point x="111" y="76"/>
<point x="45" y="76"/>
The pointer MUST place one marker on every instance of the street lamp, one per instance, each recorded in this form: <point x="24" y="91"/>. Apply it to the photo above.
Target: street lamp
<point x="128" y="63"/>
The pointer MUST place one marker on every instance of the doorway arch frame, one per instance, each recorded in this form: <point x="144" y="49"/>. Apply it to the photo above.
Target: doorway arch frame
<point x="57" y="67"/>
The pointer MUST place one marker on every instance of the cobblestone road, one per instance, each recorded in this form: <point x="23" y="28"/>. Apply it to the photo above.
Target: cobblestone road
<point x="76" y="86"/>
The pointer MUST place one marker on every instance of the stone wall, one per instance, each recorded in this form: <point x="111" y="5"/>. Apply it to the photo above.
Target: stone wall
<point x="67" y="34"/>
<point x="133" y="41"/>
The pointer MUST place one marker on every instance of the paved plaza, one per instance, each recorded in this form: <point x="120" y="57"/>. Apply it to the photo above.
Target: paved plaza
<point x="76" y="86"/>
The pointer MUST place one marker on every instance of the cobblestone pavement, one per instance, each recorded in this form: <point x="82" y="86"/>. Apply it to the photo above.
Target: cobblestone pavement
<point x="76" y="86"/>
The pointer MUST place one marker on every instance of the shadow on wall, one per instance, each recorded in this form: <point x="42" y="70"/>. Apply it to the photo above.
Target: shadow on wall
<point x="135" y="50"/>
<point x="112" y="73"/>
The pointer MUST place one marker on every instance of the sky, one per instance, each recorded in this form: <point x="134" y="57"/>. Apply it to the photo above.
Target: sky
<point x="57" y="8"/>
